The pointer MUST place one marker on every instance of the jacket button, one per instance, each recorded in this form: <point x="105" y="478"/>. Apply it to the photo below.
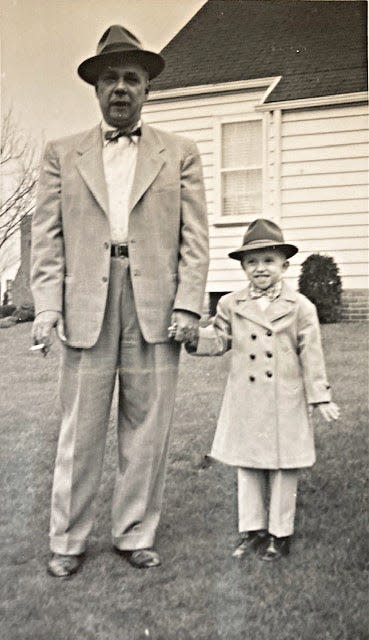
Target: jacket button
<point x="269" y="374"/>
<point x="106" y="245"/>
<point x="269" y="333"/>
<point x="252" y="378"/>
<point x="253" y="336"/>
<point x="104" y="279"/>
<point x="269" y="354"/>
<point x="252" y="356"/>
<point x="137" y="273"/>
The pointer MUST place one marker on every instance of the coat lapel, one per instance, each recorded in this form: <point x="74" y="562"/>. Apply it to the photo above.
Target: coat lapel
<point x="250" y="309"/>
<point x="90" y="166"/>
<point x="280" y="307"/>
<point x="149" y="162"/>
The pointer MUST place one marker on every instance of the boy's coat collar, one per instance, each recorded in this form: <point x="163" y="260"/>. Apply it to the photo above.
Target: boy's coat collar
<point x="249" y="308"/>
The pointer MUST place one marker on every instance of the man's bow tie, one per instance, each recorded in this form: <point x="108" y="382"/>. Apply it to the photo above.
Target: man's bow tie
<point x="113" y="135"/>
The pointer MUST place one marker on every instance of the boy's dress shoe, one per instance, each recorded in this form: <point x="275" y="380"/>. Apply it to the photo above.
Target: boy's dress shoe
<point x="250" y="541"/>
<point x="61" y="566"/>
<point x="276" y="548"/>
<point x="140" y="558"/>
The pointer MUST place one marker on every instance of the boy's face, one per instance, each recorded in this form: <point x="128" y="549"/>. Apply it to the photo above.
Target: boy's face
<point x="264" y="267"/>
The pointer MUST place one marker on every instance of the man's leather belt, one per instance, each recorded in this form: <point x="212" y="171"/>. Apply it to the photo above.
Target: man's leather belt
<point x="119" y="250"/>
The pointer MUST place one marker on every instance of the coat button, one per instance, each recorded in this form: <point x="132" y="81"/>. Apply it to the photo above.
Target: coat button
<point x="269" y="374"/>
<point x="104" y="279"/>
<point x="136" y="273"/>
<point x="269" y="354"/>
<point x="253" y="336"/>
<point x="252" y="356"/>
<point x="269" y="333"/>
<point x="106" y="245"/>
<point x="252" y="378"/>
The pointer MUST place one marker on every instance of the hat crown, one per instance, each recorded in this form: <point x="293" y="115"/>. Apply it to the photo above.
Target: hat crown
<point x="263" y="230"/>
<point x="117" y="38"/>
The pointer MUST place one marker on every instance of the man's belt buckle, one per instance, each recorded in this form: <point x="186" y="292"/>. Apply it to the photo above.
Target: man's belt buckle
<point x="119" y="250"/>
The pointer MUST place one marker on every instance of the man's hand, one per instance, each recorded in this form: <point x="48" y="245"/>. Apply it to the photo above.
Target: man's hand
<point x="42" y="329"/>
<point x="184" y="326"/>
<point x="329" y="410"/>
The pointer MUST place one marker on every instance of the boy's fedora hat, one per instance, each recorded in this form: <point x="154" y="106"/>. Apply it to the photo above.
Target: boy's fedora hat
<point x="115" y="46"/>
<point x="263" y="234"/>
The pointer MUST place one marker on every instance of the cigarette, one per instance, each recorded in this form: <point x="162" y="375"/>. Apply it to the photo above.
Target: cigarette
<point x="37" y="347"/>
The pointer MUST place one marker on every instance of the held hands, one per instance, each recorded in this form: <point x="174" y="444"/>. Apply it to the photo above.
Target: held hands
<point x="42" y="329"/>
<point x="329" y="410"/>
<point x="184" y="326"/>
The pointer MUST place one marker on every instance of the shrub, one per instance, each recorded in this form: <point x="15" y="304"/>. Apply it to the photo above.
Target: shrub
<point x="320" y="281"/>
<point x="7" y="310"/>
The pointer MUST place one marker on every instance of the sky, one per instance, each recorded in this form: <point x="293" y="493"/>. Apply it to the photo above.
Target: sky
<point x="44" y="41"/>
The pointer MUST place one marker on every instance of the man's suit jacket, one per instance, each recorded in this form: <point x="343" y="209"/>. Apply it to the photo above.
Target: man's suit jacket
<point x="167" y="234"/>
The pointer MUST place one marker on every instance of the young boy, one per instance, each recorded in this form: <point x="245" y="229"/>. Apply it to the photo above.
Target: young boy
<point x="277" y="377"/>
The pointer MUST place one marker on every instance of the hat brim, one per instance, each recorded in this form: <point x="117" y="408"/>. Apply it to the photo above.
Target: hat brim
<point x="90" y="69"/>
<point x="288" y="250"/>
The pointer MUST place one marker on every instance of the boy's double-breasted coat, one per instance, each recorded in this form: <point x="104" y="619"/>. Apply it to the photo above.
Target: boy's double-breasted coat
<point x="277" y="369"/>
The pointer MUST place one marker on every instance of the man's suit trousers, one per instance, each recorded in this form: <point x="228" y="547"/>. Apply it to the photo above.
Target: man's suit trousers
<point x="147" y="376"/>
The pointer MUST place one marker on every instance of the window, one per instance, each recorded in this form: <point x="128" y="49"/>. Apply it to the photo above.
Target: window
<point x="241" y="168"/>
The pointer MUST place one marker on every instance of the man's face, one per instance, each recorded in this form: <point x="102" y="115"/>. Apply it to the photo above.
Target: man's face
<point x="264" y="267"/>
<point x="121" y="91"/>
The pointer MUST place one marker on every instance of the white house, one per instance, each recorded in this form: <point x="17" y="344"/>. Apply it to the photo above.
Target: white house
<point x="274" y="93"/>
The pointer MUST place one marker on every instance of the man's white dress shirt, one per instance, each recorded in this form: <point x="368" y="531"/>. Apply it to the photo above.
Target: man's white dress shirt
<point x="119" y="160"/>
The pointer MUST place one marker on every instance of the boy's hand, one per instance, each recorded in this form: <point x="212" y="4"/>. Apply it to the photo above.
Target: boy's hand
<point x="329" y="410"/>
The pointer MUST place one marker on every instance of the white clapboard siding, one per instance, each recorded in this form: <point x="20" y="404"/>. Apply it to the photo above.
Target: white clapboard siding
<point x="324" y="186"/>
<point x="315" y="173"/>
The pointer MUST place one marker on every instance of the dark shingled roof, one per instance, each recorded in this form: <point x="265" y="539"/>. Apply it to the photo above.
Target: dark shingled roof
<point x="319" y="48"/>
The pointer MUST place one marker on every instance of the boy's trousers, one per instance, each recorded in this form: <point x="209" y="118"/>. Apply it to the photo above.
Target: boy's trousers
<point x="147" y="385"/>
<point x="254" y="487"/>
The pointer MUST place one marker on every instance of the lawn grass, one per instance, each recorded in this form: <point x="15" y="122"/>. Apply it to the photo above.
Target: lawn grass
<point x="200" y="592"/>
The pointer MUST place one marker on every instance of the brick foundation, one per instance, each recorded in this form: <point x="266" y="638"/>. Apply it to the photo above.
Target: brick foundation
<point x="355" y="305"/>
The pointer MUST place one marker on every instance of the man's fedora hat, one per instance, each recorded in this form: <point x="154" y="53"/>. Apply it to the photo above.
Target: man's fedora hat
<point x="263" y="234"/>
<point x="118" y="45"/>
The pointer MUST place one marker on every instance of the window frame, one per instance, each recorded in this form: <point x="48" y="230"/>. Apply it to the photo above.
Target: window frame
<point x="219" y="218"/>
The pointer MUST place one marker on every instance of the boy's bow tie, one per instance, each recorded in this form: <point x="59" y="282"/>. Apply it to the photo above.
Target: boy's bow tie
<point x="113" y="135"/>
<point x="272" y="293"/>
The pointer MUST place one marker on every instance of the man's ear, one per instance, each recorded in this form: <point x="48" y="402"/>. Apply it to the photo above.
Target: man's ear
<point x="286" y="264"/>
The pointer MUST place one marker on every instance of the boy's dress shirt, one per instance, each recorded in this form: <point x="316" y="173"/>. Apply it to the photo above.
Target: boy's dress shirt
<point x="119" y="159"/>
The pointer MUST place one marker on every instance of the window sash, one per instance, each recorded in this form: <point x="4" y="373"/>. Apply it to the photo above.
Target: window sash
<point x="241" y="167"/>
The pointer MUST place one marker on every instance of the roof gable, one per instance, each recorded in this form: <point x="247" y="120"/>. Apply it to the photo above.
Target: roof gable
<point x="318" y="47"/>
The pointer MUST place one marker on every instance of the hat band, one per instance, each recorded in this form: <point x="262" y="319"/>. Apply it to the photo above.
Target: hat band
<point x="256" y="243"/>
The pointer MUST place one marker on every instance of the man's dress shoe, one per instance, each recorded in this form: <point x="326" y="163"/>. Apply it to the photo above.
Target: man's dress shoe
<point x="140" y="558"/>
<point x="61" y="566"/>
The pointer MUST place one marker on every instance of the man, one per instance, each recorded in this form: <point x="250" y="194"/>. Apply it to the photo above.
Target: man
<point x="119" y="253"/>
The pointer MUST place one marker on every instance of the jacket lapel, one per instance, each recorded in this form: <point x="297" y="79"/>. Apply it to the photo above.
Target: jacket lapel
<point x="90" y="166"/>
<point x="149" y="162"/>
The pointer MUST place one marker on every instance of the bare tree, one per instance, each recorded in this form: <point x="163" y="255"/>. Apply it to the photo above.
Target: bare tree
<point x="19" y="170"/>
